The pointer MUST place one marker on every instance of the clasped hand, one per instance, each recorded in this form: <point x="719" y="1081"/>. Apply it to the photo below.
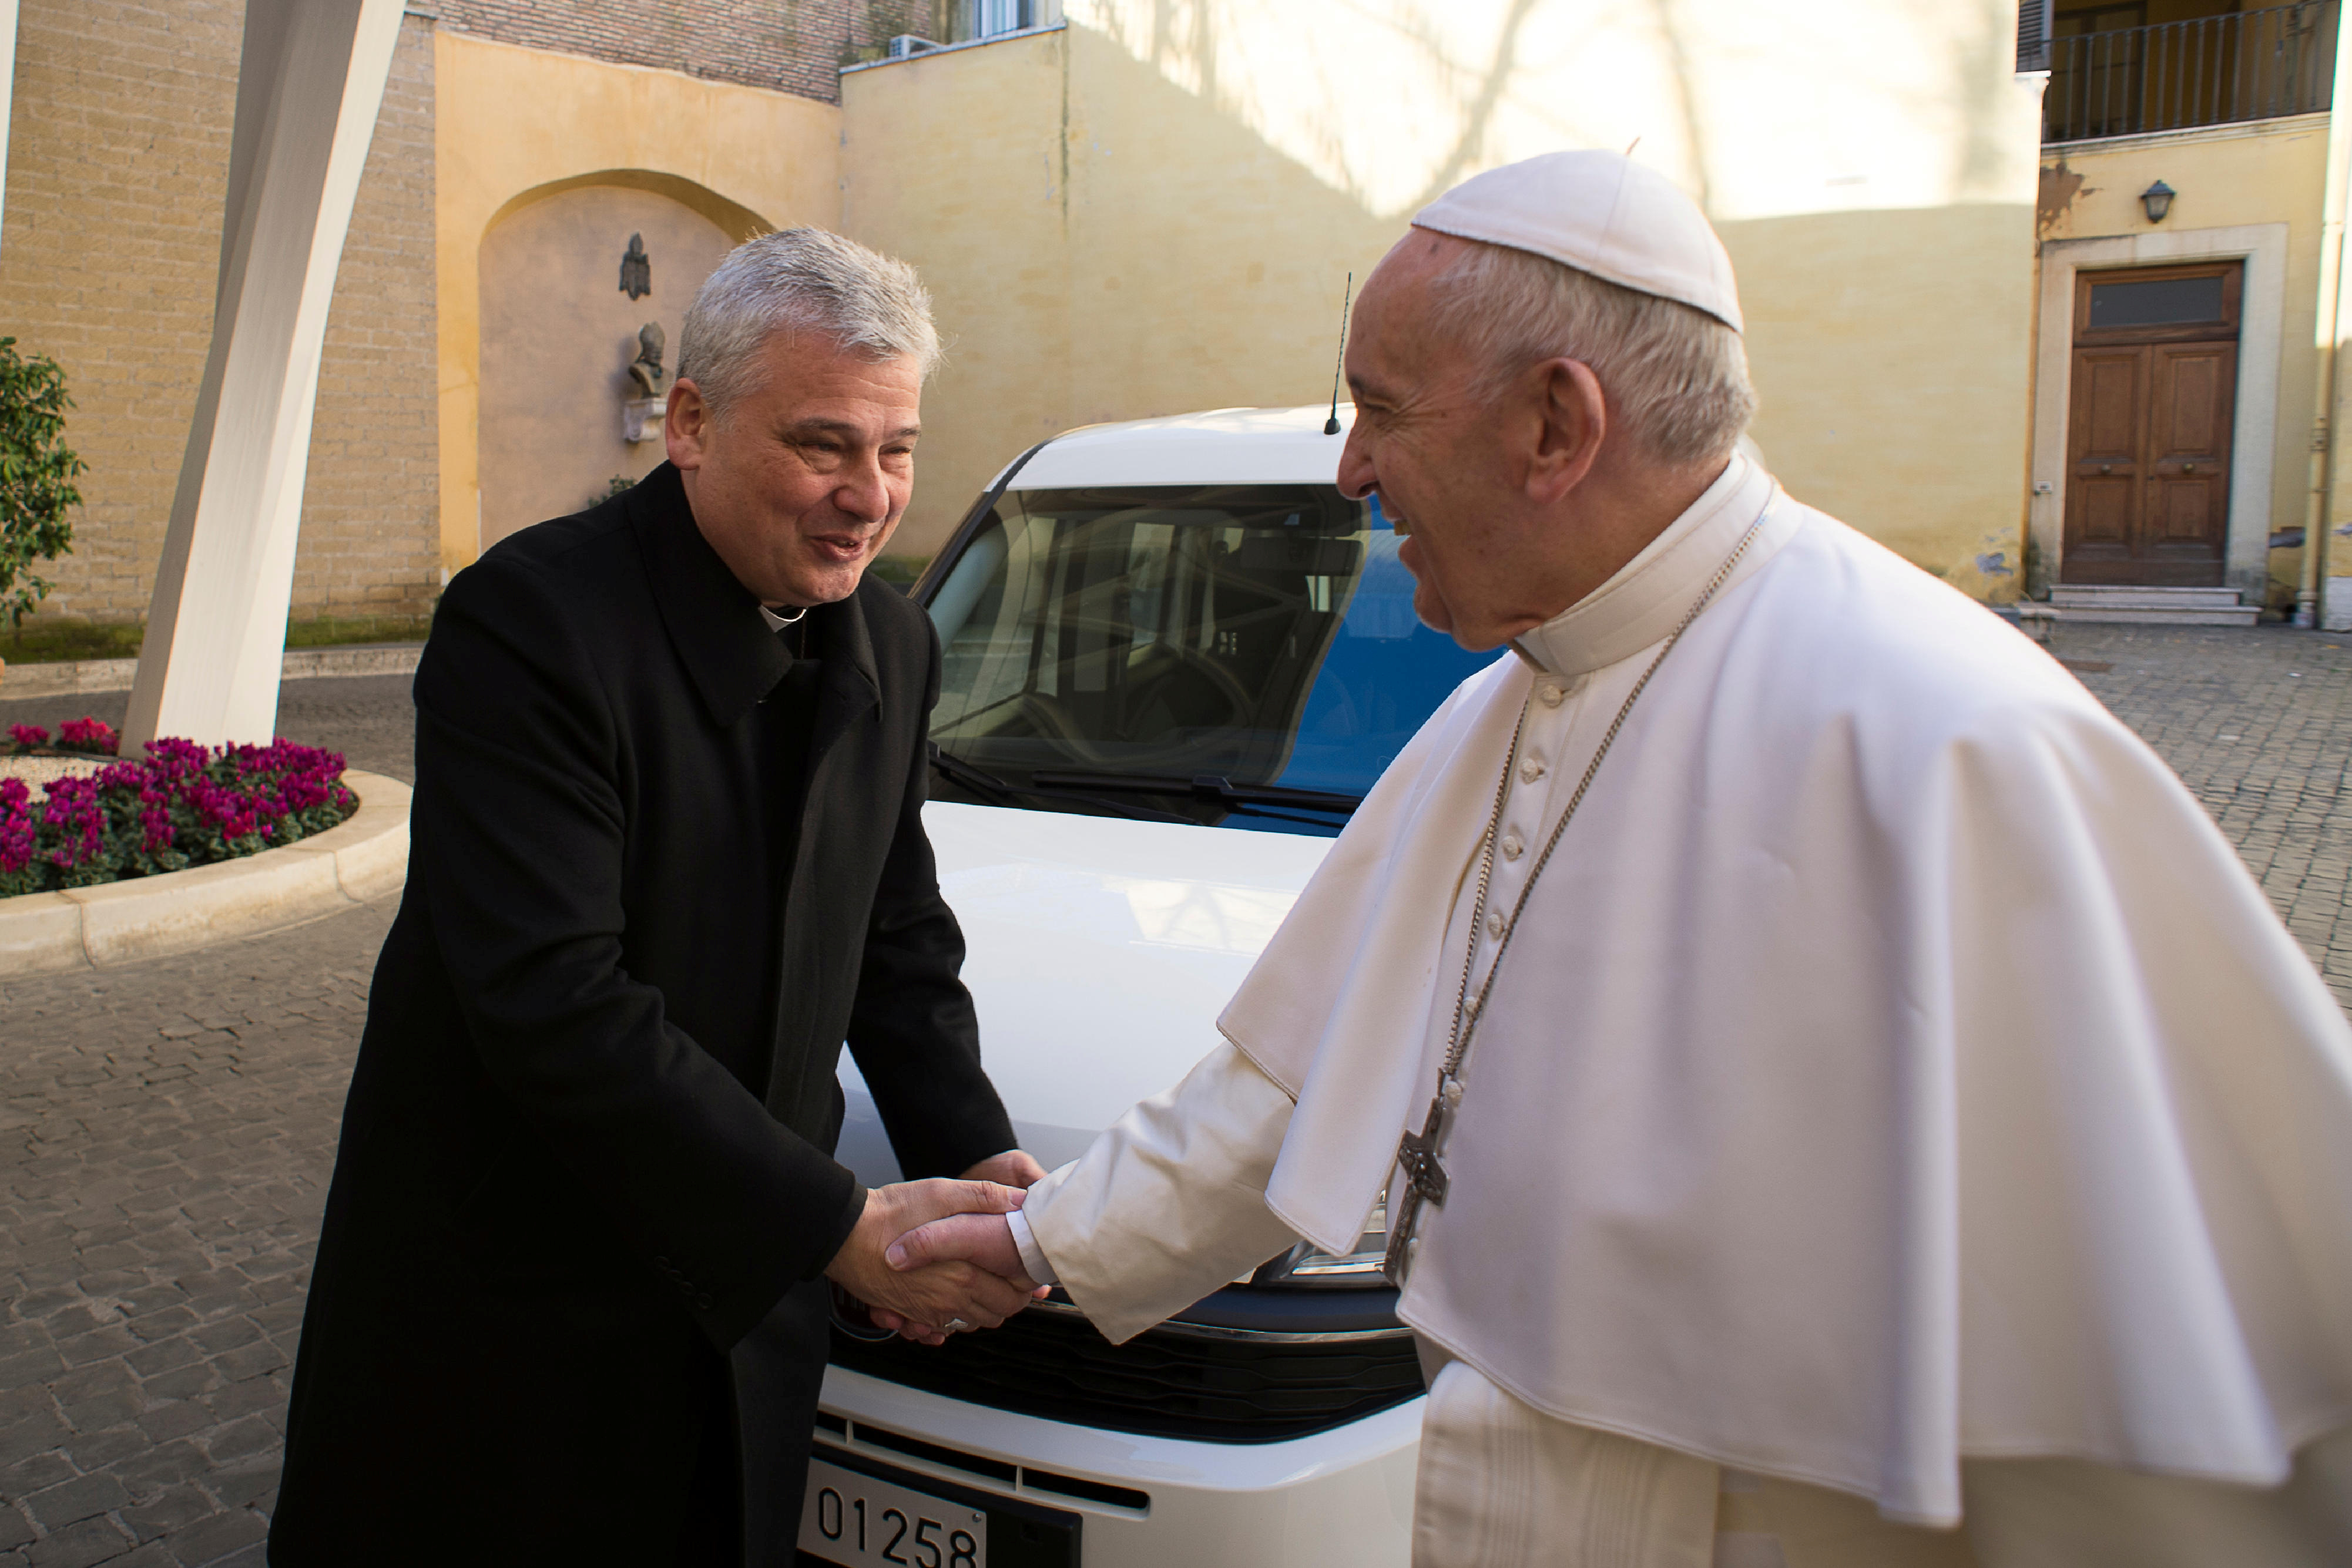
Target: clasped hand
<point x="919" y="1296"/>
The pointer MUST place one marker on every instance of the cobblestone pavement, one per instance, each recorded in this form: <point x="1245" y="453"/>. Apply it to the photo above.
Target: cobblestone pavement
<point x="165" y="1135"/>
<point x="166" y="1130"/>
<point x="2259" y="725"/>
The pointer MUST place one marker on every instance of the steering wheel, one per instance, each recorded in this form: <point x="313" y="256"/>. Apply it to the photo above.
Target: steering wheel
<point x="1194" y="690"/>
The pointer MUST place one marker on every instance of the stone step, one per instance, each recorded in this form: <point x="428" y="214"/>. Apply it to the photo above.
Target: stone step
<point x="2126" y="615"/>
<point x="2089" y="597"/>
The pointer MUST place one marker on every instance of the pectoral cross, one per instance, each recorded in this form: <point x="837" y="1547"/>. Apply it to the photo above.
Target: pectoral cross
<point x="1426" y="1181"/>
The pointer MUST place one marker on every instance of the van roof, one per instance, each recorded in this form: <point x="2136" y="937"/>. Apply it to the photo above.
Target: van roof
<point x="1220" y="446"/>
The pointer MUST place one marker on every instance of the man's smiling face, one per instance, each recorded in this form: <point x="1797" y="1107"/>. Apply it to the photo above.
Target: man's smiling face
<point x="1426" y="438"/>
<point x="802" y="480"/>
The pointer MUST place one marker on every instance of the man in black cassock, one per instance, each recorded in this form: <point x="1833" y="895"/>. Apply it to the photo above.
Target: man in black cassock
<point x="569" y="1303"/>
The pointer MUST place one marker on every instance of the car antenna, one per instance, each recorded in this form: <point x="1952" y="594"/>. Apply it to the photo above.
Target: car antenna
<point x="1331" y="425"/>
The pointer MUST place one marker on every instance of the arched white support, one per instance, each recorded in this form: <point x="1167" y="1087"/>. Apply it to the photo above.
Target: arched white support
<point x="307" y="90"/>
<point x="7" y="89"/>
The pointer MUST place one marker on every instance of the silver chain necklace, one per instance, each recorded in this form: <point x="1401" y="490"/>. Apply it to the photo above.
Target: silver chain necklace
<point x="1417" y="1152"/>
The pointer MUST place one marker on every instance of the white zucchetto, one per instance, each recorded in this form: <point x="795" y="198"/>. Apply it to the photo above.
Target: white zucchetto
<point x="1599" y="213"/>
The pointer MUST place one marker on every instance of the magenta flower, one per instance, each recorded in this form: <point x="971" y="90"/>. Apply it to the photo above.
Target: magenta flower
<point x="93" y="735"/>
<point x="18" y="832"/>
<point x="182" y="804"/>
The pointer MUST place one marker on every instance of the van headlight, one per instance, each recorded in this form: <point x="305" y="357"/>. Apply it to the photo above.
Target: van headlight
<point x="1306" y="1266"/>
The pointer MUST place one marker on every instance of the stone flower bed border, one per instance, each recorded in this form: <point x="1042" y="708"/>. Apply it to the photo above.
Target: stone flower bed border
<point x="364" y="858"/>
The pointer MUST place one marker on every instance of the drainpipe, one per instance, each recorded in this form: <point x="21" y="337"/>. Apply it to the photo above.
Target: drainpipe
<point x="2320" y="517"/>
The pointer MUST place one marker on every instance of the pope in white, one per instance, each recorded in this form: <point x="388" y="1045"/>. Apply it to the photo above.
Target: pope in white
<point x="1840" y="1101"/>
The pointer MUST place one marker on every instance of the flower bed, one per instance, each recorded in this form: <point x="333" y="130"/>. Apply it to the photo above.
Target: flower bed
<point x="183" y="805"/>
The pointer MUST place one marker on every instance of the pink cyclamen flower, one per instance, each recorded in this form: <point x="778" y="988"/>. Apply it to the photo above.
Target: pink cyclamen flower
<point x="89" y="735"/>
<point x="73" y="814"/>
<point x="18" y="835"/>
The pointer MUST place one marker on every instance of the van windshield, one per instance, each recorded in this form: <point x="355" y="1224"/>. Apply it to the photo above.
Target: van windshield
<point x="1243" y="654"/>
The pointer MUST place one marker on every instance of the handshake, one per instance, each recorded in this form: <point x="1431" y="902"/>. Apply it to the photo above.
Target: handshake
<point x="929" y="1258"/>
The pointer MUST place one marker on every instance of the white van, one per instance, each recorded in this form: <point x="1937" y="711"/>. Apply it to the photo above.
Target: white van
<point x="1176" y="658"/>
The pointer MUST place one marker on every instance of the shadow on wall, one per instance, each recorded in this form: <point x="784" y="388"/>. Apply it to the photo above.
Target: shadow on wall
<point x="558" y="333"/>
<point x="1103" y="245"/>
<point x="1109" y="242"/>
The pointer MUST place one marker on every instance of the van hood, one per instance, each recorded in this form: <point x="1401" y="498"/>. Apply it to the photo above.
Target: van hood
<point x="1100" y="953"/>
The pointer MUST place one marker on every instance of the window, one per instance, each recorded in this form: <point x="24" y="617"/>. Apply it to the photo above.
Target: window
<point x="990" y="19"/>
<point x="1262" y="635"/>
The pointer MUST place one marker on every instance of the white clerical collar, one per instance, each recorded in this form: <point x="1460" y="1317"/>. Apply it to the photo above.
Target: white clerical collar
<point x="778" y="623"/>
<point x="1652" y="592"/>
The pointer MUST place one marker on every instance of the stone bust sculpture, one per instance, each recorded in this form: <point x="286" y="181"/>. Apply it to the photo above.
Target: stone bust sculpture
<point x="645" y="370"/>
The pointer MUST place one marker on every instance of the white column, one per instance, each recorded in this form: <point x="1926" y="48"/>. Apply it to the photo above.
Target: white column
<point x="2316" y="600"/>
<point x="7" y="87"/>
<point x="306" y="95"/>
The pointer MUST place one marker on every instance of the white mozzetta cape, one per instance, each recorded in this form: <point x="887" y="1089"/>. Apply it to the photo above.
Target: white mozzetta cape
<point x="1895" y="1064"/>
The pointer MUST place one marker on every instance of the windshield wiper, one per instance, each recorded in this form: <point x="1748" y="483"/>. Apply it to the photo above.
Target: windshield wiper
<point x="1206" y="787"/>
<point x="1001" y="792"/>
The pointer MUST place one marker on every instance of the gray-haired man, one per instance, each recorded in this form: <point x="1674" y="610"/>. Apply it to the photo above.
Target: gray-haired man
<point x="570" y="1302"/>
<point x="1838" y="1100"/>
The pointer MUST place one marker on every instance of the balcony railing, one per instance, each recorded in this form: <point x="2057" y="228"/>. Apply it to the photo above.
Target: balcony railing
<point x="2213" y="70"/>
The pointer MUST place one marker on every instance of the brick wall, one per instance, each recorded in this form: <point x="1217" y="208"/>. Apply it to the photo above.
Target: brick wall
<point x="792" y="45"/>
<point x="117" y="159"/>
<point x="118" y="155"/>
<point x="117" y="151"/>
<point x="372" y="506"/>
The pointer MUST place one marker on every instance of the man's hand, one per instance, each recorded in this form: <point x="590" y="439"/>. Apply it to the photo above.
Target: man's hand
<point x="984" y="1240"/>
<point x="1014" y="1167"/>
<point x="921" y="1302"/>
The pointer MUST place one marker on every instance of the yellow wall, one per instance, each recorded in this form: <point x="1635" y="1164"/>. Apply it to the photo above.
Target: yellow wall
<point x="2267" y="171"/>
<point x="514" y="125"/>
<point x="1153" y="211"/>
<point x="1098" y="247"/>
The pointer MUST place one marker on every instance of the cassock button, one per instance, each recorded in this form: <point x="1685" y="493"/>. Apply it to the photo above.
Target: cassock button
<point x="1531" y="770"/>
<point x="703" y="1301"/>
<point x="1514" y="847"/>
<point x="1550" y="695"/>
<point x="1494" y="925"/>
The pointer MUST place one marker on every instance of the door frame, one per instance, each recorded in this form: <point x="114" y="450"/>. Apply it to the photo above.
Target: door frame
<point x="2262" y="306"/>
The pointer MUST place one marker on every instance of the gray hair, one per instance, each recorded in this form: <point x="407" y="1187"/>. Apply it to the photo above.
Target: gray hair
<point x="803" y="279"/>
<point x="1676" y="378"/>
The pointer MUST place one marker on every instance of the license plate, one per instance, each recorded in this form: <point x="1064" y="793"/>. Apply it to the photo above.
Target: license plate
<point x="865" y="1522"/>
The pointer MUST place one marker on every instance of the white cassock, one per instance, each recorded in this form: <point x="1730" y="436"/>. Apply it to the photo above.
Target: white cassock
<point x="1901" y="1111"/>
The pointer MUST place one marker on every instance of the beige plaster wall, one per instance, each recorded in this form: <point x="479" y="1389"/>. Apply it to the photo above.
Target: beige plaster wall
<point x="1154" y="210"/>
<point x="516" y="125"/>
<point x="1097" y="248"/>
<point x="2264" y="172"/>
<point x="558" y="334"/>
<point x="118" y="159"/>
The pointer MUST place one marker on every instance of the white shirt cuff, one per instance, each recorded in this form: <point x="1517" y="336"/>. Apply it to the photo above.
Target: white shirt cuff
<point x="1032" y="1257"/>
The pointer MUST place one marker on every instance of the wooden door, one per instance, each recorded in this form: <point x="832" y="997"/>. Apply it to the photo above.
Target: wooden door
<point x="2152" y="398"/>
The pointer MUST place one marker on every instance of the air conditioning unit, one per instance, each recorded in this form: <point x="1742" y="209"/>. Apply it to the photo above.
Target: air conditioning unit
<point x="906" y="44"/>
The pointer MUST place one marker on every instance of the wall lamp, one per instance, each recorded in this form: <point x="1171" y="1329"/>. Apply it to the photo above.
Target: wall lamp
<point x="2158" y="200"/>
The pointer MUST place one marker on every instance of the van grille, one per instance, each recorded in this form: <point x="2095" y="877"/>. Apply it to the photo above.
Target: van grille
<point x="1222" y="1386"/>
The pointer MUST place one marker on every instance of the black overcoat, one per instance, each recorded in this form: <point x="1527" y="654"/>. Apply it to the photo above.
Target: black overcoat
<point x="586" y="1189"/>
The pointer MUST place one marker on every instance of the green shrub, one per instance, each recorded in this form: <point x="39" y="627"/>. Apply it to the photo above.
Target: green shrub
<point x="36" y="471"/>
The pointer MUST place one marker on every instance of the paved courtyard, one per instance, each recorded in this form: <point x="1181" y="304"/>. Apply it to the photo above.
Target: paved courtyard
<point x="166" y="1130"/>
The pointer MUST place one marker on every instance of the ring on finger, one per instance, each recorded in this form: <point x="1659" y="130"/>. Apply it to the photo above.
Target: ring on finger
<point x="957" y="1325"/>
